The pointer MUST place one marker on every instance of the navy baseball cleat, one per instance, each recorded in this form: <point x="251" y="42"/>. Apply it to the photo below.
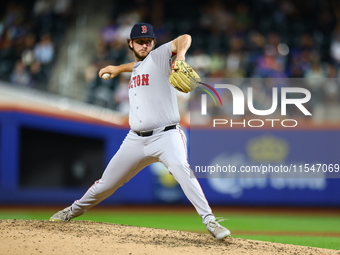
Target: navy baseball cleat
<point x="217" y="230"/>
<point x="65" y="215"/>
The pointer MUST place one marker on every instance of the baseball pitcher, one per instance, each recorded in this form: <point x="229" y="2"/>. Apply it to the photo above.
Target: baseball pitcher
<point x="155" y="135"/>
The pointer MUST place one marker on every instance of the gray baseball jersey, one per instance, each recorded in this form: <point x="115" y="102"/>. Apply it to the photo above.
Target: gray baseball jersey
<point x="153" y="101"/>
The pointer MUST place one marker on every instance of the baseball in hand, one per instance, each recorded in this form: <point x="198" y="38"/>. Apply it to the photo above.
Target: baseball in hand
<point x="105" y="76"/>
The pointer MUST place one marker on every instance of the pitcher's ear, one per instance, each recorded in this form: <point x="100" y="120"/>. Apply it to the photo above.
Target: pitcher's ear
<point x="128" y="42"/>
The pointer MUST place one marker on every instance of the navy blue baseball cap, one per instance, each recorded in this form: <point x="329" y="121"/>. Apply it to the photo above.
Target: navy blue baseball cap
<point x="142" y="30"/>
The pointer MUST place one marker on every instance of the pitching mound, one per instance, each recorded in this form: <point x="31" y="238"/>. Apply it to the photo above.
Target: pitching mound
<point x="85" y="237"/>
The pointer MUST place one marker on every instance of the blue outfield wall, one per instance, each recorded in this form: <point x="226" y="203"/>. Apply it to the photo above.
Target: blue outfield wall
<point x="154" y="185"/>
<point x="311" y="156"/>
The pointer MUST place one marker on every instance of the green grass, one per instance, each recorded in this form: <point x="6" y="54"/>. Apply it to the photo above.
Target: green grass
<point x="238" y="223"/>
<point x="284" y="223"/>
<point x="311" y="241"/>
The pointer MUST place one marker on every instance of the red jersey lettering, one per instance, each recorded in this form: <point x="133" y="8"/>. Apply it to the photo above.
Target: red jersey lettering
<point x="139" y="80"/>
<point x="145" y="79"/>
<point x="134" y="81"/>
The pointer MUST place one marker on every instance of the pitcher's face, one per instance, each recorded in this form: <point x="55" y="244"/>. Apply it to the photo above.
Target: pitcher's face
<point x="142" y="47"/>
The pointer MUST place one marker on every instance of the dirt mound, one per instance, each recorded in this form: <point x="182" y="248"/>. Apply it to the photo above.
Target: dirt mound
<point x="86" y="237"/>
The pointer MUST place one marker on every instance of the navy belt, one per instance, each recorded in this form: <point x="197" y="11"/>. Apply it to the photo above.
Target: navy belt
<point x="150" y="132"/>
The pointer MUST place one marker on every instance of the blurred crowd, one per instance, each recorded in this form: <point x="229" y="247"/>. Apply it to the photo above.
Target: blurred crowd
<point x="231" y="39"/>
<point x="234" y="39"/>
<point x="30" y="32"/>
